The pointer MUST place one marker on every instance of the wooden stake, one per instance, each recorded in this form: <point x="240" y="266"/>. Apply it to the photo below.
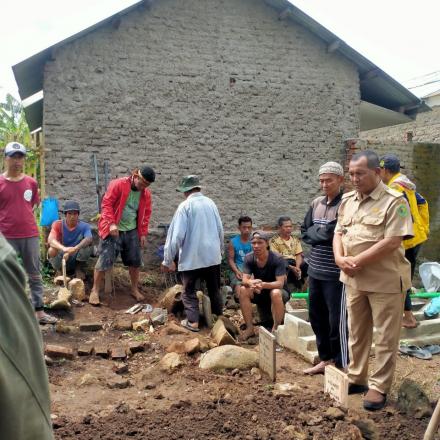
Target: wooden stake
<point x="432" y="428"/>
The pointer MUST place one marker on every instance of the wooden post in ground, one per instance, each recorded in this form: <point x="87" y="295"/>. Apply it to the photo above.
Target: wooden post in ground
<point x="432" y="428"/>
<point x="108" y="281"/>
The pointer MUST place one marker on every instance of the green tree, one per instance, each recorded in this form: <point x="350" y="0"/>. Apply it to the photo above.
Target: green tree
<point x="13" y="127"/>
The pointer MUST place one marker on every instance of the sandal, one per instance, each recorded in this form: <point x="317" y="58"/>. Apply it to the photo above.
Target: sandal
<point x="188" y="326"/>
<point x="47" y="319"/>
<point x="433" y="349"/>
<point x="415" y="351"/>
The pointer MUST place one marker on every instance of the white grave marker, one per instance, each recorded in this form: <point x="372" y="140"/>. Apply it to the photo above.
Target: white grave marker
<point x="336" y="384"/>
<point x="267" y="361"/>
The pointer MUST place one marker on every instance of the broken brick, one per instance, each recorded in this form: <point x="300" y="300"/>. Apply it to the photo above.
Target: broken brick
<point x="101" y="351"/>
<point x="136" y="346"/>
<point x="118" y="353"/>
<point x="58" y="351"/>
<point x="90" y="326"/>
<point x="85" y="350"/>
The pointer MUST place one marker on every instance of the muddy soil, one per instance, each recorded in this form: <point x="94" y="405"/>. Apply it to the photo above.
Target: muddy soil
<point x="190" y="403"/>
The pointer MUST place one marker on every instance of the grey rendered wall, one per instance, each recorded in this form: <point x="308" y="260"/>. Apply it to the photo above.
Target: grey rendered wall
<point x="220" y="88"/>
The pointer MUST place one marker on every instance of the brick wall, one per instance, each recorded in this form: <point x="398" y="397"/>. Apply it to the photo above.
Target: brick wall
<point x="426" y="128"/>
<point x="221" y="88"/>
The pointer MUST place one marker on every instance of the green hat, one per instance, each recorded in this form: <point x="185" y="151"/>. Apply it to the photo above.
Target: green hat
<point x="188" y="183"/>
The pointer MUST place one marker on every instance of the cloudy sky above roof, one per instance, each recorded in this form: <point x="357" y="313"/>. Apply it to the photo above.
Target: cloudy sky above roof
<point x="401" y="37"/>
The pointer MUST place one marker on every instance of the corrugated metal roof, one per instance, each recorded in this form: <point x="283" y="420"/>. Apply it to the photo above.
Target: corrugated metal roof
<point x="376" y="86"/>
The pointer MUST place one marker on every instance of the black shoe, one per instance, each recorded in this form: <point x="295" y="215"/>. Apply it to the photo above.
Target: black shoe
<point x="374" y="405"/>
<point x="354" y="388"/>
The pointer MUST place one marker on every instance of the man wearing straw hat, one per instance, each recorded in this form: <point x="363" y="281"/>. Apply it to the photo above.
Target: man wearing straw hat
<point x="196" y="237"/>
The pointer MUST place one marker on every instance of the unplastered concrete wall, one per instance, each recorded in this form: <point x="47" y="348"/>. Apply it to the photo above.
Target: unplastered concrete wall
<point x="219" y="88"/>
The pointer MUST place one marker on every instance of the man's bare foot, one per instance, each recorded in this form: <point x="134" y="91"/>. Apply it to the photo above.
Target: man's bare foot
<point x="94" y="298"/>
<point x="137" y="295"/>
<point x="318" y="368"/>
<point x="247" y="334"/>
<point x="409" y="321"/>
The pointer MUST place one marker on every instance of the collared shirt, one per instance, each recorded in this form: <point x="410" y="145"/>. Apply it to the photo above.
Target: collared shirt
<point x="288" y="249"/>
<point x="365" y="220"/>
<point x="195" y="234"/>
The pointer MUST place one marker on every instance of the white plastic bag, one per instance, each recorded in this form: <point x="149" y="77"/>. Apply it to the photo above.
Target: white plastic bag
<point x="430" y="275"/>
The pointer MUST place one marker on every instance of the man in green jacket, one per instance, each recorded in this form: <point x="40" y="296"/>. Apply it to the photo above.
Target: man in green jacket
<point x="24" y="385"/>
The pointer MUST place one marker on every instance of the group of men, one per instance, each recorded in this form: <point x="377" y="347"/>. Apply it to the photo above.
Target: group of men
<point x="356" y="263"/>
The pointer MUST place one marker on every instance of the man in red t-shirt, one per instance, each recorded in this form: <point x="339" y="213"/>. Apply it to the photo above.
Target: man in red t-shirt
<point x="18" y="196"/>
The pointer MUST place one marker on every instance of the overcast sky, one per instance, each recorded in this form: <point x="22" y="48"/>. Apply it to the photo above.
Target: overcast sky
<point x="400" y="36"/>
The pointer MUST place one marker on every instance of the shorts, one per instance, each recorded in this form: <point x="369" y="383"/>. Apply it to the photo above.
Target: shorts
<point x="127" y="244"/>
<point x="233" y="280"/>
<point x="81" y="257"/>
<point x="263" y="300"/>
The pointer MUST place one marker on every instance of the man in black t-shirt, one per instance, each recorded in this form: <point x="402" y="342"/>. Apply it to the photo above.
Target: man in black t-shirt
<point x="264" y="282"/>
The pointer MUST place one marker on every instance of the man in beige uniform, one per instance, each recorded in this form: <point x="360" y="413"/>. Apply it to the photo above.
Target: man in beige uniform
<point x="372" y="222"/>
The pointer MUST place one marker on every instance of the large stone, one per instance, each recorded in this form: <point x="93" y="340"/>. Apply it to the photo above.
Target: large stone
<point x="220" y="334"/>
<point x="411" y="399"/>
<point x="228" y="357"/>
<point x="368" y="429"/>
<point x="101" y="351"/>
<point x="63" y="300"/>
<point x="59" y="351"/>
<point x="170" y="362"/>
<point x="159" y="316"/>
<point x="192" y="346"/>
<point x="171" y="299"/>
<point x="76" y="287"/>
<point x="346" y="431"/>
<point x="59" y="281"/>
<point x="85" y="350"/>
<point x="174" y="329"/>
<point x="118" y="383"/>
<point x="136" y="346"/>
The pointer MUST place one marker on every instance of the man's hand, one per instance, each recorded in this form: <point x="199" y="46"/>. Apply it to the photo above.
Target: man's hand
<point x="170" y="268"/>
<point x="239" y="275"/>
<point x="143" y="241"/>
<point x="256" y="285"/>
<point x="68" y="251"/>
<point x="348" y="265"/>
<point x="296" y="271"/>
<point x="114" y="232"/>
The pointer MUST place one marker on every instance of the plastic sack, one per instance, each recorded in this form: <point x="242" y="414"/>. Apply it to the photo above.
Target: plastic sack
<point x="433" y="308"/>
<point x="49" y="211"/>
<point x="430" y="275"/>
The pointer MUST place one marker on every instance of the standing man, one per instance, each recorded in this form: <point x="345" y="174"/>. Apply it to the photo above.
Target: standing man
<point x="70" y="239"/>
<point x="327" y="310"/>
<point x="289" y="247"/>
<point x="239" y="246"/>
<point x="18" y="197"/>
<point x="372" y="222"/>
<point x="24" y="385"/>
<point x="123" y="227"/>
<point x="196" y="237"/>
<point x="391" y="176"/>
<point x="264" y="283"/>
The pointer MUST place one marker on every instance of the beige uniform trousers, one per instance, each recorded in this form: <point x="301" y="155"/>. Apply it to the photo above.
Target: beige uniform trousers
<point x="383" y="311"/>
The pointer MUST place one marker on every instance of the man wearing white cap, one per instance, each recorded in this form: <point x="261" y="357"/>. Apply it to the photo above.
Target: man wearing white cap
<point x="327" y="308"/>
<point x="18" y="197"/>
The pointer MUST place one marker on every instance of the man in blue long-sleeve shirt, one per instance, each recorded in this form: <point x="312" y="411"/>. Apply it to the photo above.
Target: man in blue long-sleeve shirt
<point x="195" y="236"/>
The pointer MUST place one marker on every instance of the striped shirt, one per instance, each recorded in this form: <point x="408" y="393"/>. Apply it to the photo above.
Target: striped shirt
<point x="321" y="260"/>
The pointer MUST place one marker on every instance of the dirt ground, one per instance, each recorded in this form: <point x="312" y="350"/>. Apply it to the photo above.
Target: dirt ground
<point x="190" y="403"/>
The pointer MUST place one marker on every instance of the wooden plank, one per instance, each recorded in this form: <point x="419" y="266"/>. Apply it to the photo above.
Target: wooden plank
<point x="108" y="281"/>
<point x="336" y="384"/>
<point x="267" y="359"/>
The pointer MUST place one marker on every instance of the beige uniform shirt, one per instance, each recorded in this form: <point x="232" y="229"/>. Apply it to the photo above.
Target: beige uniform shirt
<point x="364" y="221"/>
